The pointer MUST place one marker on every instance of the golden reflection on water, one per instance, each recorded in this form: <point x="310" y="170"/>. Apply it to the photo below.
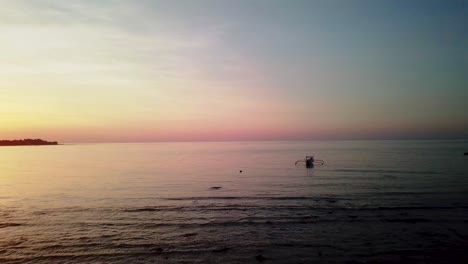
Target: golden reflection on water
<point x="94" y="171"/>
<point x="93" y="203"/>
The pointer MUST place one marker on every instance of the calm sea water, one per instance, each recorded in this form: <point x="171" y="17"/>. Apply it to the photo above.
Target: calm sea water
<point x="372" y="201"/>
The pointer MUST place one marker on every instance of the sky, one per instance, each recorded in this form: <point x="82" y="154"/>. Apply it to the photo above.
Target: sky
<point x="136" y="71"/>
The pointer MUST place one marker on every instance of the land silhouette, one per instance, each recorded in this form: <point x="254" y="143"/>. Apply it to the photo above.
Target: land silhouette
<point x="27" y="142"/>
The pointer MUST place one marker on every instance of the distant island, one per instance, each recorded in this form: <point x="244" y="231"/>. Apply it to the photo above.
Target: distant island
<point x="26" y="142"/>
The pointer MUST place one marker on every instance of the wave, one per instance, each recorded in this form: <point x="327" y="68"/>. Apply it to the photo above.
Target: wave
<point x="259" y="221"/>
<point x="3" y="225"/>
<point x="272" y="198"/>
<point x="237" y="207"/>
<point x="407" y="220"/>
<point x="389" y="171"/>
<point x="126" y="256"/>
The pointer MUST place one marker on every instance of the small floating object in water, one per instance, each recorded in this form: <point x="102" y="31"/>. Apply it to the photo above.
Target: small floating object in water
<point x="466" y="154"/>
<point x="189" y="234"/>
<point x="240" y="171"/>
<point x="216" y="187"/>
<point x="310" y="161"/>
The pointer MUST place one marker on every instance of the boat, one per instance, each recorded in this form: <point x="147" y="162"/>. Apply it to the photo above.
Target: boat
<point x="310" y="161"/>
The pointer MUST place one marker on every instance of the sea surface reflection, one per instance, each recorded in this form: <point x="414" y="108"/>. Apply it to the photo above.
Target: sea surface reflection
<point x="384" y="201"/>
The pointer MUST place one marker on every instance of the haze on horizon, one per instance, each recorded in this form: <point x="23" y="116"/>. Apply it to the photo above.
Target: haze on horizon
<point x="119" y="71"/>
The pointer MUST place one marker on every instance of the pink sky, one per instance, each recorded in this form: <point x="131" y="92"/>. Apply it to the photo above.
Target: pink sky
<point x="120" y="72"/>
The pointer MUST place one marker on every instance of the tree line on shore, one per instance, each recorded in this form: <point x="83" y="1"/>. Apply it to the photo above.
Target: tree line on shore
<point x="26" y="142"/>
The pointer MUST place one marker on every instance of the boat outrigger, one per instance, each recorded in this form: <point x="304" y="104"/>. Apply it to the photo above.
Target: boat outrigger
<point x="310" y="161"/>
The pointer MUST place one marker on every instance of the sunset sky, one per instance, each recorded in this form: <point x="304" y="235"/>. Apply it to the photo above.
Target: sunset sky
<point x="122" y="71"/>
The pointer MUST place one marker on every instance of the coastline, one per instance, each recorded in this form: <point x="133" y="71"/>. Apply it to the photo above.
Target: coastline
<point x="27" y="142"/>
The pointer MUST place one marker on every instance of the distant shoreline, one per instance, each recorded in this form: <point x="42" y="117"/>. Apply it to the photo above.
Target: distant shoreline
<point x="27" y="142"/>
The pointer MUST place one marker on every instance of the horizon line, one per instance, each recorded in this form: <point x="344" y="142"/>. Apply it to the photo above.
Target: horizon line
<point x="288" y="140"/>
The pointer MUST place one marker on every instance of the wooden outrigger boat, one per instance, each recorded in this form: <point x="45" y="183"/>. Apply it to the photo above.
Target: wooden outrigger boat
<point x="310" y="161"/>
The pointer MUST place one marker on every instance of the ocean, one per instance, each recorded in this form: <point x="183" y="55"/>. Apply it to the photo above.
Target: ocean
<point x="371" y="202"/>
